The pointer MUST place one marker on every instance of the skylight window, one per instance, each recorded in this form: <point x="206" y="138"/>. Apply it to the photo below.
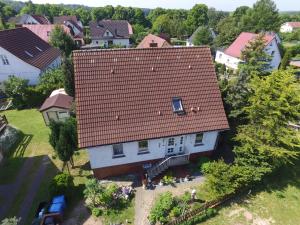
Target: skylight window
<point x="177" y="105"/>
<point x="38" y="48"/>
<point x="29" y="54"/>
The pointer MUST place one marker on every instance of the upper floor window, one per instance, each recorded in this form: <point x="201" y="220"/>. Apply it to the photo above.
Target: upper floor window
<point x="4" y="60"/>
<point x="199" y="139"/>
<point x="171" y="141"/>
<point x="272" y="53"/>
<point x="118" y="150"/>
<point x="107" y="33"/>
<point x="143" y="146"/>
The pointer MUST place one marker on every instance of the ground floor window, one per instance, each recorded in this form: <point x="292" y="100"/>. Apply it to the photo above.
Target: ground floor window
<point x="199" y="139"/>
<point x="143" y="146"/>
<point x="118" y="150"/>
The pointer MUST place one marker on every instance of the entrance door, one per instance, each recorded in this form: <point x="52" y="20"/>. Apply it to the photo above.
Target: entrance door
<point x="175" y="145"/>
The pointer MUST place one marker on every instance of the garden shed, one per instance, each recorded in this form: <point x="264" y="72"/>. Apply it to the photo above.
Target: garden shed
<point x="57" y="107"/>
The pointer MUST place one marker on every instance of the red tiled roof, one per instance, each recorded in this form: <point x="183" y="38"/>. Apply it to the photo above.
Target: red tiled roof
<point x="236" y="48"/>
<point x="118" y="28"/>
<point x="126" y="94"/>
<point x="294" y="24"/>
<point x="151" y="39"/>
<point x="28" y="47"/>
<point x="43" y="30"/>
<point x="41" y="19"/>
<point x="62" y="19"/>
<point x="59" y="101"/>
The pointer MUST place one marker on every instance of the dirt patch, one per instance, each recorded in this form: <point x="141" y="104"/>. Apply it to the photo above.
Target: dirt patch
<point x="81" y="216"/>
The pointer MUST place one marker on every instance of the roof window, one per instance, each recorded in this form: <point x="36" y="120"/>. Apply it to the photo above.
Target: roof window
<point x="177" y="105"/>
<point x="38" y="48"/>
<point x="29" y="54"/>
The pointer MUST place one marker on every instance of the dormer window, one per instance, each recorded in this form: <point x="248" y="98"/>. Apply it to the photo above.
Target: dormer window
<point x="177" y="105"/>
<point x="107" y="33"/>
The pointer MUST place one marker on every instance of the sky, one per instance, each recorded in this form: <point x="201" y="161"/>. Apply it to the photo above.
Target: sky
<point x="225" y="5"/>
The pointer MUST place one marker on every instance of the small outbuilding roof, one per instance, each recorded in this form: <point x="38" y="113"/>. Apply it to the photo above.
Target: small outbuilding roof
<point x="153" y="41"/>
<point x="59" y="100"/>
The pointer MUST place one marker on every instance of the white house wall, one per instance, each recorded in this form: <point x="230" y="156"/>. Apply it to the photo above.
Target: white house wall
<point x="227" y="60"/>
<point x="18" y="68"/>
<point x="286" y="28"/>
<point x="102" y="156"/>
<point x="101" y="42"/>
<point x="276" y="58"/>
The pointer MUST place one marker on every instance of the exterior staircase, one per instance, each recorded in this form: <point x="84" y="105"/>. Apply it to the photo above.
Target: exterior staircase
<point x="176" y="160"/>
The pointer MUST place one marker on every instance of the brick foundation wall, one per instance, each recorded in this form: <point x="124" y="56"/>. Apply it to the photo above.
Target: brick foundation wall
<point x="110" y="171"/>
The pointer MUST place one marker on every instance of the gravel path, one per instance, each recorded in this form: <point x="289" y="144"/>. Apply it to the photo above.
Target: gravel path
<point x="9" y="191"/>
<point x="144" y="199"/>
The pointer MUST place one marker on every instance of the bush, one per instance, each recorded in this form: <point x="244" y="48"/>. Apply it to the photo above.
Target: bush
<point x="201" y="161"/>
<point x="175" y="212"/>
<point x="168" y="178"/>
<point x="61" y="184"/>
<point x="162" y="208"/>
<point x="201" y="217"/>
<point x="97" y="212"/>
<point x="10" y="221"/>
<point x="16" y="88"/>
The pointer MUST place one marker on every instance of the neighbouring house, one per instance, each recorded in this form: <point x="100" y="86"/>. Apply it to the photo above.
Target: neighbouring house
<point x="105" y="33"/>
<point x="57" y="107"/>
<point x="75" y="26"/>
<point x="24" y="54"/>
<point x="28" y="19"/>
<point x="289" y="27"/>
<point x="44" y="32"/>
<point x="231" y="57"/>
<point x="190" y="41"/>
<point x="137" y="107"/>
<point x="153" y="41"/>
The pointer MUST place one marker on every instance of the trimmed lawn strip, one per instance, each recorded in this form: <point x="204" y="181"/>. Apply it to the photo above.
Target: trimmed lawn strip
<point x="120" y="216"/>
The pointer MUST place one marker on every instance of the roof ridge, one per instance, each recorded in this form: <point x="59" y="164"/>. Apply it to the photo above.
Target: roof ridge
<point x="139" y="49"/>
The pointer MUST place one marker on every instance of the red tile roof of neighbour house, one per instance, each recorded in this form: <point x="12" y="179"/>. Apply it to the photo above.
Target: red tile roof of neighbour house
<point x="294" y="24"/>
<point x="152" y="41"/>
<point x="126" y="94"/>
<point x="28" y="47"/>
<point x="60" y="101"/>
<point x="44" y="31"/>
<point x="118" y="28"/>
<point x="62" y="19"/>
<point x="236" y="48"/>
<point x="41" y="19"/>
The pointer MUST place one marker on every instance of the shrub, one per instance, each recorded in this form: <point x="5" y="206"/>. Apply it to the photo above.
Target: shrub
<point x="201" y="217"/>
<point x="161" y="209"/>
<point x="61" y="184"/>
<point x="16" y="88"/>
<point x="175" y="212"/>
<point x="97" y="212"/>
<point x="10" y="221"/>
<point x="168" y="178"/>
<point x="201" y="161"/>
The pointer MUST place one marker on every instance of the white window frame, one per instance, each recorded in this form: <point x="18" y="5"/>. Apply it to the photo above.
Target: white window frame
<point x="4" y="60"/>
<point x="115" y="154"/>
<point x="142" y="150"/>
<point x="198" y="142"/>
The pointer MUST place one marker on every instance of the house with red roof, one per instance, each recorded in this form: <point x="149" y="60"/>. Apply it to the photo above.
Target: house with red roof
<point x="289" y="27"/>
<point x="146" y="109"/>
<point x="153" y="41"/>
<point x="231" y="57"/>
<point x="29" y="19"/>
<point x="110" y="32"/>
<point x="75" y="26"/>
<point x="24" y="54"/>
<point x="44" y="31"/>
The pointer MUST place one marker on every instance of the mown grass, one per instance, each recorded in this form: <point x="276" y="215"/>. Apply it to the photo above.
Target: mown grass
<point x="30" y="122"/>
<point x="120" y="216"/>
<point x="275" y="201"/>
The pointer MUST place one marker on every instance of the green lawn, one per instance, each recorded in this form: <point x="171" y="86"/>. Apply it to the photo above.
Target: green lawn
<point x="277" y="201"/>
<point x="32" y="125"/>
